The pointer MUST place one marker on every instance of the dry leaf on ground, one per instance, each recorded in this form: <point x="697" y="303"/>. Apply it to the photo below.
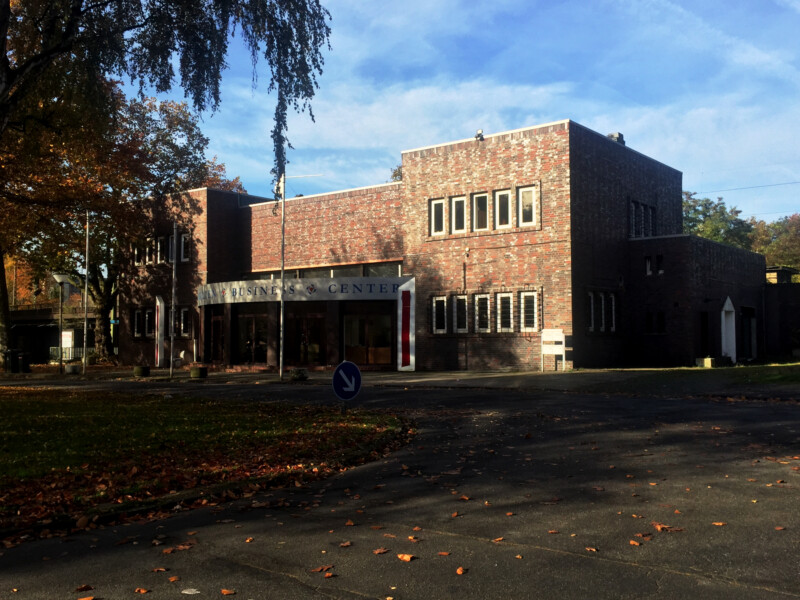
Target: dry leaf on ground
<point x="406" y="557"/>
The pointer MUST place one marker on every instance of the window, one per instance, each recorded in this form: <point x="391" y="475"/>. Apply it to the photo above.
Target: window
<point x="390" y="269"/>
<point x="660" y="264"/>
<point x="648" y="265"/>
<point x="505" y="312"/>
<point x="185" y="247"/>
<point x="149" y="322"/>
<point x="440" y="314"/>
<point x="482" y="324"/>
<point x="458" y="212"/>
<point x="437" y="217"/>
<point x="611" y="307"/>
<point x="162" y="250"/>
<point x="171" y="248"/>
<point x="480" y="212"/>
<point x="602" y="310"/>
<point x="137" y="323"/>
<point x="590" y="312"/>
<point x="502" y="210"/>
<point x="138" y="255"/>
<point x="528" y="311"/>
<point x="528" y="201"/>
<point x="653" y="226"/>
<point x="184" y="323"/>
<point x="460" y="314"/>
<point x="150" y="251"/>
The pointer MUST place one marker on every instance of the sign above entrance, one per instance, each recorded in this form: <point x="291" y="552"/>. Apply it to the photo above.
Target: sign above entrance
<point x="269" y="290"/>
<point x="346" y="381"/>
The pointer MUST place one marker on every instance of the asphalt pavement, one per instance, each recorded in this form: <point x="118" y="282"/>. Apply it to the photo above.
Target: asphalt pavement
<point x="576" y="485"/>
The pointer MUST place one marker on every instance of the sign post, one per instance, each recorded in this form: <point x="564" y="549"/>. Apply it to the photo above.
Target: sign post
<point x="346" y="381"/>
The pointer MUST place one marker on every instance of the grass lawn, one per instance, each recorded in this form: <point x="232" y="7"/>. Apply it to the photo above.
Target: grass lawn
<point x="65" y="456"/>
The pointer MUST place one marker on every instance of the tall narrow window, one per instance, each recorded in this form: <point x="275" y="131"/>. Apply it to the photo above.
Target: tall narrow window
<point x="590" y="312"/>
<point x="602" y="310"/>
<point x="502" y="210"/>
<point x="437" y="216"/>
<point x="171" y="248"/>
<point x="653" y="222"/>
<point x="528" y="201"/>
<point x="458" y="211"/>
<point x="137" y="323"/>
<point x="138" y="255"/>
<point x="480" y="212"/>
<point x="660" y="264"/>
<point x="505" y="312"/>
<point x="528" y="312"/>
<point x="611" y="307"/>
<point x="149" y="322"/>
<point x="162" y="250"/>
<point x="482" y="324"/>
<point x="150" y="251"/>
<point x="648" y="265"/>
<point x="185" y="324"/>
<point x="440" y="314"/>
<point x="185" y="239"/>
<point x="460" y="314"/>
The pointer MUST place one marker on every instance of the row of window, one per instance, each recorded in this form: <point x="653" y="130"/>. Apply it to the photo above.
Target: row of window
<point x="385" y="269"/>
<point x="601" y="312"/>
<point x="484" y="320"/>
<point x="160" y="250"/>
<point x="642" y="220"/>
<point x="144" y="322"/>
<point x="507" y="211"/>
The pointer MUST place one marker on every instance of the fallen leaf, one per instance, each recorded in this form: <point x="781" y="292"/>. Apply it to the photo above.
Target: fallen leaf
<point x="389" y="535"/>
<point x="552" y="531"/>
<point x="519" y="556"/>
<point x="635" y="543"/>
<point x="142" y="591"/>
<point x="380" y="551"/>
<point x="190" y="591"/>
<point x="464" y="498"/>
<point x="454" y="515"/>
<point x="159" y="570"/>
<point x="84" y="588"/>
<point x="406" y="557"/>
<point x="461" y="570"/>
<point x="86" y="598"/>
<point x="444" y="554"/>
<point x="248" y="540"/>
<point x="328" y="575"/>
<point x="719" y="523"/>
<point x="779" y="528"/>
<point x="349" y="523"/>
<point x="417" y="528"/>
<point x="225" y="592"/>
<point x="322" y="569"/>
<point x="413" y="539"/>
<point x="509" y="514"/>
<point x="590" y="549"/>
<point x="345" y="544"/>
<point x="498" y="540"/>
<point x="376" y="527"/>
<point x="174" y="578"/>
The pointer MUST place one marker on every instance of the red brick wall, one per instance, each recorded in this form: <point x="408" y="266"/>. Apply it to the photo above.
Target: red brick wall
<point x="509" y="260"/>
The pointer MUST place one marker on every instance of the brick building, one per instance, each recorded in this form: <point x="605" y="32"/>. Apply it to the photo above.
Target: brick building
<point x="484" y="243"/>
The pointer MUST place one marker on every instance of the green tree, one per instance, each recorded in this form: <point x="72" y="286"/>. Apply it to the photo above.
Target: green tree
<point x="779" y="241"/>
<point x="713" y="220"/>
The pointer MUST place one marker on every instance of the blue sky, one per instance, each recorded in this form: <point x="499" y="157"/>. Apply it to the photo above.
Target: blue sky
<point x="711" y="88"/>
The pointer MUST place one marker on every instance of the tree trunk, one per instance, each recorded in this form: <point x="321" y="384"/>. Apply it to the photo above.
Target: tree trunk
<point x="103" y="342"/>
<point x="6" y="333"/>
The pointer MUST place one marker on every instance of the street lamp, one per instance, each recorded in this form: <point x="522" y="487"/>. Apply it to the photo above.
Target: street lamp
<point x="61" y="279"/>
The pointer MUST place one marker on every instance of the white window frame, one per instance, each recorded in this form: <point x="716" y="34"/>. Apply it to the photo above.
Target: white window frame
<point x="476" y="303"/>
<point x="524" y="298"/>
<point x="437" y="326"/>
<point x="138" y="255"/>
<point x="161" y="251"/>
<point x="438" y="203"/>
<point x="456" y="301"/>
<point x="475" y="224"/>
<point x="462" y="200"/>
<point x="185" y="244"/>
<point x="499" y="300"/>
<point x="508" y="209"/>
<point x="521" y="222"/>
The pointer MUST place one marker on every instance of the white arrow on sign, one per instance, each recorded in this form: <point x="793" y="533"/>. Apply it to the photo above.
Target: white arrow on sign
<point x="350" y="384"/>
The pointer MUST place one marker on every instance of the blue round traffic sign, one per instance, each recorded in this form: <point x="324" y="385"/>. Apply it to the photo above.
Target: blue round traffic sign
<point x="346" y="381"/>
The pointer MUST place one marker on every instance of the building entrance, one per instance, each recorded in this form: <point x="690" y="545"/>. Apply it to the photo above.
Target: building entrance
<point x="368" y="339"/>
<point x="304" y="339"/>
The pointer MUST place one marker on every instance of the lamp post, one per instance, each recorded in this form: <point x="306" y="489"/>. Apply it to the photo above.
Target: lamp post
<point x="61" y="279"/>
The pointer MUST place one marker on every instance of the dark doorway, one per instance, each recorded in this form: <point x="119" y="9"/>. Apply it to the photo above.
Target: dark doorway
<point x="368" y="334"/>
<point x="217" y="338"/>
<point x="252" y="331"/>
<point x="305" y="334"/>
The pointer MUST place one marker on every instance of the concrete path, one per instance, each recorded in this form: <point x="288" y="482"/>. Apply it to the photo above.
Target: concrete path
<point x="507" y="491"/>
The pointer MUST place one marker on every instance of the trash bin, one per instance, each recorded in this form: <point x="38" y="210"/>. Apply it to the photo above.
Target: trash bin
<point x="24" y="362"/>
<point x="12" y="360"/>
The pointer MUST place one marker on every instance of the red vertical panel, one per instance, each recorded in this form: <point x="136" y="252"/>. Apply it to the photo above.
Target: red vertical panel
<point x="406" y="330"/>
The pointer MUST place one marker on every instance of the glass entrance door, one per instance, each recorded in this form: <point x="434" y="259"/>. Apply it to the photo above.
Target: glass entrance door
<point x="368" y="339"/>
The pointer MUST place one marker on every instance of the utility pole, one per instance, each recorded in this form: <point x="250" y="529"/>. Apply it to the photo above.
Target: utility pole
<point x="86" y="298"/>
<point x="174" y="299"/>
